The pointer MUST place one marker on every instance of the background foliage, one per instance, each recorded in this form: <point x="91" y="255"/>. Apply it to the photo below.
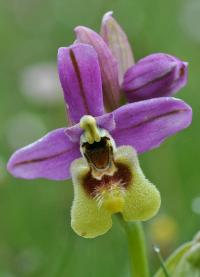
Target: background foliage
<point x="35" y="234"/>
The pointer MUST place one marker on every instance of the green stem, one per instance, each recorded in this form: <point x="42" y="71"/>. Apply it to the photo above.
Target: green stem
<point x="162" y="262"/>
<point x="137" y="249"/>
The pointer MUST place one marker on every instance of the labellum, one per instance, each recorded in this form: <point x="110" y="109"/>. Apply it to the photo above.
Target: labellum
<point x="108" y="180"/>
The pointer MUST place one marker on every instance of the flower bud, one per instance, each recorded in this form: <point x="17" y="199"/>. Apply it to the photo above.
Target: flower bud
<point x="156" y="75"/>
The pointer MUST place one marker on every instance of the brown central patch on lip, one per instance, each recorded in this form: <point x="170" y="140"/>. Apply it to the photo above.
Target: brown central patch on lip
<point x="123" y="176"/>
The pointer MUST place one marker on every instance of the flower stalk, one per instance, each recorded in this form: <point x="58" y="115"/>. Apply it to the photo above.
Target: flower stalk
<point x="137" y="248"/>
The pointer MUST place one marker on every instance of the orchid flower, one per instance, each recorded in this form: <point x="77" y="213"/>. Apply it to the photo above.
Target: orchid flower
<point x="99" y="150"/>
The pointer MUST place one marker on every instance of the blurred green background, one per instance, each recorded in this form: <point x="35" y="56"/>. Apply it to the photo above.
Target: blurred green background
<point x="35" y="234"/>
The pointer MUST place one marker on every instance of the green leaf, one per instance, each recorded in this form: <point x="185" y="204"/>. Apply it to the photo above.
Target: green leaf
<point x="172" y="262"/>
<point x="190" y="263"/>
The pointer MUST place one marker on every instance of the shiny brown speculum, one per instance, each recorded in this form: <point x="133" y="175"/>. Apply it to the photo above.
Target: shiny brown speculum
<point x="121" y="177"/>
